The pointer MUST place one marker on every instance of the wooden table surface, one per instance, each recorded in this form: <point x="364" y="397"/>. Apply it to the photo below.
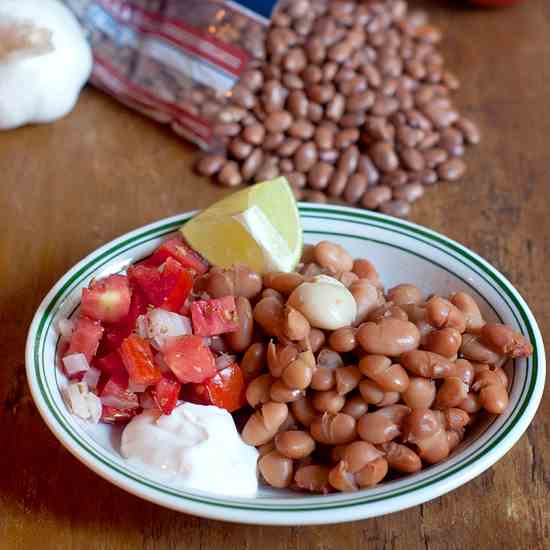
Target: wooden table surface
<point x="69" y="187"/>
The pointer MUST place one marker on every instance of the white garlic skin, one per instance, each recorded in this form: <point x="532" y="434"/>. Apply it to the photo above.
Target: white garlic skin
<point x="325" y="302"/>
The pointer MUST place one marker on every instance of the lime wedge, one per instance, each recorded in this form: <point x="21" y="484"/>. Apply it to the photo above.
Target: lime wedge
<point x="258" y="226"/>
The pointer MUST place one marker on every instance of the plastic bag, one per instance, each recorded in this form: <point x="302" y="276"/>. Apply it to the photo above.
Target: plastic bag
<point x="174" y="60"/>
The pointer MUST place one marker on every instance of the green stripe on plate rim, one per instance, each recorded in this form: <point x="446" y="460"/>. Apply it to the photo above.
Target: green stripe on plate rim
<point x="404" y="228"/>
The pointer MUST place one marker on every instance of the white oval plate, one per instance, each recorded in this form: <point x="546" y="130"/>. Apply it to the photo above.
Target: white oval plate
<point x="403" y="252"/>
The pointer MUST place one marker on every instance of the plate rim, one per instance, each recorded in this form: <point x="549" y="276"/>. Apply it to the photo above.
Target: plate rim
<point x="226" y="509"/>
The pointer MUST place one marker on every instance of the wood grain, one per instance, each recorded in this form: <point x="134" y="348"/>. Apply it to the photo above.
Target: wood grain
<point x="68" y="187"/>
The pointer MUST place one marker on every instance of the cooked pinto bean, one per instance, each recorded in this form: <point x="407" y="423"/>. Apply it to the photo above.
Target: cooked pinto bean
<point x="389" y="337"/>
<point x="240" y="339"/>
<point x="294" y="444"/>
<point x="390" y="377"/>
<point x="276" y="469"/>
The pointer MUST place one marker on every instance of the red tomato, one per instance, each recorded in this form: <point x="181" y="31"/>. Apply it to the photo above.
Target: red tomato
<point x="112" y="367"/>
<point x="213" y="317"/>
<point x="167" y="287"/>
<point x="107" y="299"/>
<point x="226" y="389"/>
<point x="85" y="338"/>
<point x="115" y="333"/>
<point x="117" y="416"/>
<point x="137" y="357"/>
<point x="115" y="395"/>
<point x="180" y="251"/>
<point x="165" y="394"/>
<point x="189" y="358"/>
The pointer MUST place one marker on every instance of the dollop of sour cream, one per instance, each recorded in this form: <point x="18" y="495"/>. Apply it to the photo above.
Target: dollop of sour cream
<point x="195" y="447"/>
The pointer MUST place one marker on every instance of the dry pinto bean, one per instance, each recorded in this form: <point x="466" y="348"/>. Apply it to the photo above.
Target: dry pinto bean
<point x="303" y="411"/>
<point x="240" y="339"/>
<point x="355" y="188"/>
<point x="343" y="340"/>
<point x="348" y="160"/>
<point x="208" y="165"/>
<point x="469" y="308"/>
<point x="355" y="406"/>
<point x="263" y="424"/>
<point x="404" y="294"/>
<point x="229" y="175"/>
<point x="504" y="340"/>
<point x="401" y="458"/>
<point x="254" y="134"/>
<point x="345" y="138"/>
<point x="451" y="393"/>
<point x="390" y="377"/>
<point x="294" y="444"/>
<point x="253" y="360"/>
<point x="384" y="157"/>
<point x="420" y="393"/>
<point x="319" y="176"/>
<point x="276" y="469"/>
<point x="444" y="342"/>
<point x="347" y="379"/>
<point x="313" y="478"/>
<point x="258" y="390"/>
<point x="389" y="337"/>
<point x="452" y="169"/>
<point x="305" y="157"/>
<point x="333" y="429"/>
<point x="252" y="164"/>
<point x="469" y="130"/>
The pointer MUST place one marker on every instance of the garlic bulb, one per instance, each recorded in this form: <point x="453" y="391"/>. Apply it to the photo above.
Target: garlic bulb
<point x="44" y="61"/>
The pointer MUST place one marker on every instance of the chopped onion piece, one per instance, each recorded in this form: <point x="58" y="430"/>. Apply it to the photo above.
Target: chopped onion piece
<point x="76" y="393"/>
<point x="118" y="402"/>
<point x="142" y="326"/>
<point x="224" y="360"/>
<point x="162" y="324"/>
<point x="66" y="328"/>
<point x="75" y="363"/>
<point x="94" y="406"/>
<point x="92" y="377"/>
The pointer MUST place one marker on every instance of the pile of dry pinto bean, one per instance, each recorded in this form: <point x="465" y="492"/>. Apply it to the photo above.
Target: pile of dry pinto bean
<point x="349" y="100"/>
<point x="347" y="382"/>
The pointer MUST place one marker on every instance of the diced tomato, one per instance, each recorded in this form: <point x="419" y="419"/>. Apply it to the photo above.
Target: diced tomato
<point x="112" y="415"/>
<point x="216" y="316"/>
<point x="112" y="367"/>
<point x="166" y="393"/>
<point x="85" y="338"/>
<point x="166" y="287"/>
<point x="180" y="251"/>
<point x="226" y="389"/>
<point x="137" y="357"/>
<point x="117" y="396"/>
<point x="189" y="358"/>
<point x="115" y="333"/>
<point x="107" y="299"/>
